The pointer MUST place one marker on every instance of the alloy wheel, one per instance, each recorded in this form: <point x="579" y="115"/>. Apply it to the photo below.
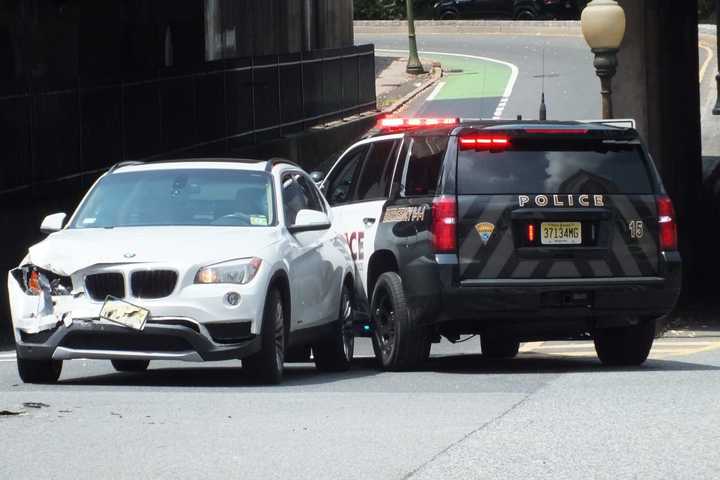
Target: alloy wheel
<point x="385" y="328"/>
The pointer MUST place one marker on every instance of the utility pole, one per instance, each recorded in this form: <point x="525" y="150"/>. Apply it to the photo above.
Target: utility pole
<point x="414" y="66"/>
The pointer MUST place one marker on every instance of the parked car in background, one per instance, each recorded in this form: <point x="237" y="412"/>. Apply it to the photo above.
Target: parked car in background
<point x="194" y="260"/>
<point x="517" y="9"/>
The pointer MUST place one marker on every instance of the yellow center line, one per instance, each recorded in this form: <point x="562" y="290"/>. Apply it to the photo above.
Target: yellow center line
<point x="530" y="346"/>
<point x="705" y="64"/>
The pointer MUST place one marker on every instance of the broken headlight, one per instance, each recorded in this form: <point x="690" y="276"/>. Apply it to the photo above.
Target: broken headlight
<point x="31" y="279"/>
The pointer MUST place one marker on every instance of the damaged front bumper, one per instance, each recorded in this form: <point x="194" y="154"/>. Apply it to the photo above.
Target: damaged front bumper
<point x="68" y="326"/>
<point x="162" y="339"/>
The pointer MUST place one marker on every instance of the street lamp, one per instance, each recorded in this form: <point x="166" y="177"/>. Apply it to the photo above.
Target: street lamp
<point x="603" y="26"/>
<point x="414" y="66"/>
<point x="716" y="110"/>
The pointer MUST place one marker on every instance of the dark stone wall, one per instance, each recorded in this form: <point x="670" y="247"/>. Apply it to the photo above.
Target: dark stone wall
<point x="657" y="84"/>
<point x="85" y="84"/>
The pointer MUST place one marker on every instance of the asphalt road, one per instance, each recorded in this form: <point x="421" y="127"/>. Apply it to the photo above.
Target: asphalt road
<point x="553" y="412"/>
<point x="571" y="87"/>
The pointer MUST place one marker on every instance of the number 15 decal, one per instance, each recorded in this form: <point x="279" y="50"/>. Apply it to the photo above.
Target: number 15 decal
<point x="637" y="229"/>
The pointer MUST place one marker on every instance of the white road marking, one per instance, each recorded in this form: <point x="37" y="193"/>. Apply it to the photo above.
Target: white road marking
<point x="514" y="72"/>
<point x="435" y="92"/>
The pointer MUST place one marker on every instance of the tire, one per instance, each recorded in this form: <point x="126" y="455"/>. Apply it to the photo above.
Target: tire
<point x="498" y="347"/>
<point x="625" y="346"/>
<point x="266" y="366"/>
<point x="336" y="353"/>
<point x="526" y="13"/>
<point x="130" y="365"/>
<point x="399" y="343"/>
<point x="39" y="371"/>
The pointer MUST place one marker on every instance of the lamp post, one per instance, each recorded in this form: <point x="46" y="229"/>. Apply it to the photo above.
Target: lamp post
<point x="414" y="66"/>
<point x="716" y="110"/>
<point x="603" y="26"/>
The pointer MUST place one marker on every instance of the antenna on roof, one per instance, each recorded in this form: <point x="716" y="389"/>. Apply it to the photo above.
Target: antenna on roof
<point x="543" y="108"/>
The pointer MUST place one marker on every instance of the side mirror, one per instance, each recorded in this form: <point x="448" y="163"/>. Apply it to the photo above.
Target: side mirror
<point x="309" y="221"/>
<point x="317" y="177"/>
<point x="53" y="223"/>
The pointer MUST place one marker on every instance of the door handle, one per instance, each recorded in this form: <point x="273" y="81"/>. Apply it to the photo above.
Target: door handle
<point x="368" y="222"/>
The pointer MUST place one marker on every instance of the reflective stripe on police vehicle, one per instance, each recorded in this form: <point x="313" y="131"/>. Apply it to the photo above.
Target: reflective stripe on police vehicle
<point x="516" y="231"/>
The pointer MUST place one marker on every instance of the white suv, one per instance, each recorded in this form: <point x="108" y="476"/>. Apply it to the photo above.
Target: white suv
<point x="189" y="260"/>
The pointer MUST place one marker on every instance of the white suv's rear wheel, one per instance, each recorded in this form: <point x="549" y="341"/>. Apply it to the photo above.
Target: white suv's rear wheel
<point x="130" y="365"/>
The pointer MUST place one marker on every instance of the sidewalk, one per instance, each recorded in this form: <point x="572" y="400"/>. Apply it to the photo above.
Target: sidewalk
<point x="395" y="87"/>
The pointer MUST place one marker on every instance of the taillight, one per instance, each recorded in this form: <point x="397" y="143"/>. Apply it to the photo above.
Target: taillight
<point x="668" y="226"/>
<point x="444" y="214"/>
<point x="531" y="235"/>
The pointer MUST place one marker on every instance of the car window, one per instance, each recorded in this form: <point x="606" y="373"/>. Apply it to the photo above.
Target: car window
<point x="340" y="186"/>
<point x="374" y="180"/>
<point x="298" y="195"/>
<point x="313" y="192"/>
<point x="422" y="169"/>
<point x="179" y="197"/>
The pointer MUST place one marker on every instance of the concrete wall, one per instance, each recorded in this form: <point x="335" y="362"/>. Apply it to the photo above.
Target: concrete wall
<point x="657" y="84"/>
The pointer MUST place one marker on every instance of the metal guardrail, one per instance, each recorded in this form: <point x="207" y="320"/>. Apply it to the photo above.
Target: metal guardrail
<point x="288" y="93"/>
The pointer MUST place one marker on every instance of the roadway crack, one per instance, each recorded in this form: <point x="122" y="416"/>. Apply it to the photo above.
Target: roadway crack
<point x="482" y="427"/>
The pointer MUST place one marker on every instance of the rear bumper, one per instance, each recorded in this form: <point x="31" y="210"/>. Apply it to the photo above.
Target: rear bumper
<point x="599" y="300"/>
<point x="104" y="341"/>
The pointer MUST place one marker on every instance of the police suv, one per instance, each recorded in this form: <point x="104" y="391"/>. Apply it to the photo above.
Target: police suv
<point x="516" y="231"/>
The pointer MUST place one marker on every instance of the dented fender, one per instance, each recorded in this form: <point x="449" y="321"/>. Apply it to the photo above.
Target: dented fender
<point x="36" y="313"/>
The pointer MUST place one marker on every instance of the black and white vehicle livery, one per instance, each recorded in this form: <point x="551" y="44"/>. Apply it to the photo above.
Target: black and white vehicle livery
<point x="513" y="230"/>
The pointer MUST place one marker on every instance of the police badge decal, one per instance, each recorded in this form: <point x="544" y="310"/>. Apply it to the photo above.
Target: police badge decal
<point x="485" y="230"/>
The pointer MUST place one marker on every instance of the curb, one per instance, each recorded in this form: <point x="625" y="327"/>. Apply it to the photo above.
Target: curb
<point x="397" y="105"/>
<point x="487" y="27"/>
<point x="469" y="26"/>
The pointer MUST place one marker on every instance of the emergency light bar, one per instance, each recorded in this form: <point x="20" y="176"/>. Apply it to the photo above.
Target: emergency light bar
<point x="400" y="122"/>
<point x="487" y="142"/>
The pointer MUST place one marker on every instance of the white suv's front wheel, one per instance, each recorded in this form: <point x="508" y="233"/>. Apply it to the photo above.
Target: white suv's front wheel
<point x="335" y="354"/>
<point x="266" y="366"/>
<point x="39" y="371"/>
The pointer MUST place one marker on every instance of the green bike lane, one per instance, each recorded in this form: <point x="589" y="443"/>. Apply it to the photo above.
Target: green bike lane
<point x="472" y="86"/>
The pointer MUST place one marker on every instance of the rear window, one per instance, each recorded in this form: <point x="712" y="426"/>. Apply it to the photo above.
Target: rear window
<point x="606" y="169"/>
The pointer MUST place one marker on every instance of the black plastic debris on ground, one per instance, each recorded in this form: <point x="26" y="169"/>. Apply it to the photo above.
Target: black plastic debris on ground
<point x="12" y="413"/>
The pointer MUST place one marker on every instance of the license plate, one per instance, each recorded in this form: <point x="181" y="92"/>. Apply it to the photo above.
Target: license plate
<point x="124" y="313"/>
<point x="561" y="233"/>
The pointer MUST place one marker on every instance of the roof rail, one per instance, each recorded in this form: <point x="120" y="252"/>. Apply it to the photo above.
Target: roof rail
<point x="615" y="122"/>
<point x="279" y="161"/>
<point x="126" y="163"/>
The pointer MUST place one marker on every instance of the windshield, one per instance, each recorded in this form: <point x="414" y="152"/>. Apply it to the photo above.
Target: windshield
<point x="179" y="197"/>
<point x="554" y="169"/>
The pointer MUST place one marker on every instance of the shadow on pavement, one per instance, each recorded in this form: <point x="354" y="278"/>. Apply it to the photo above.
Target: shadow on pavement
<point x="298" y="375"/>
<point x="295" y="375"/>
<point x="539" y="363"/>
